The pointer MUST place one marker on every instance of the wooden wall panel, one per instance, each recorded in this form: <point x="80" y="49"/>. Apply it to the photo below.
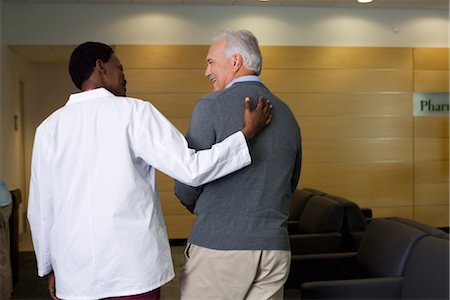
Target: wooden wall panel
<point x="348" y="104"/>
<point x="192" y="57"/>
<point x="175" y="105"/>
<point x="357" y="173"/>
<point x="430" y="171"/>
<point x="374" y="195"/>
<point x="431" y="127"/>
<point x="162" y="56"/>
<point x="384" y="212"/>
<point x="179" y="226"/>
<point x="164" y="182"/>
<point x="182" y="124"/>
<point x="344" y="127"/>
<point x="431" y="58"/>
<point x="167" y="81"/>
<point x="431" y="148"/>
<point x="436" y="193"/>
<point x="431" y="81"/>
<point x="436" y="215"/>
<point x="343" y="80"/>
<point x="354" y="106"/>
<point x="293" y="57"/>
<point x="355" y="150"/>
<point x="171" y="205"/>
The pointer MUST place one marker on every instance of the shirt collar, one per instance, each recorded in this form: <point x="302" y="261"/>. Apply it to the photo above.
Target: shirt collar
<point x="245" y="78"/>
<point x="91" y="94"/>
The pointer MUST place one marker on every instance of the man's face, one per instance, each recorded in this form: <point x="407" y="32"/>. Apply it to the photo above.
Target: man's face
<point x="113" y="77"/>
<point x="219" y="69"/>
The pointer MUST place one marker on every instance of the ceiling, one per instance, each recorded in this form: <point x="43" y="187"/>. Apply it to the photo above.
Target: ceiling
<point x="62" y="53"/>
<point x="400" y="4"/>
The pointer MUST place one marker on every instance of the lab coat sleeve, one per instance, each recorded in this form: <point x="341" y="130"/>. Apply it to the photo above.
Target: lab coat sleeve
<point x="162" y="146"/>
<point x="201" y="135"/>
<point x="40" y="213"/>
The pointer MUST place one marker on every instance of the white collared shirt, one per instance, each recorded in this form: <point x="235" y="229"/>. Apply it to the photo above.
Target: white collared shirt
<point x="244" y="78"/>
<point x="94" y="209"/>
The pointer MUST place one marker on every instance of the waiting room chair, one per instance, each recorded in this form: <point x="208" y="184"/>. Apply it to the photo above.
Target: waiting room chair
<point x="425" y="276"/>
<point x="383" y="251"/>
<point x="354" y="224"/>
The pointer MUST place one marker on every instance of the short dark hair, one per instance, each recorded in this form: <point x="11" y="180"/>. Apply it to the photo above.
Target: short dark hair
<point x="83" y="60"/>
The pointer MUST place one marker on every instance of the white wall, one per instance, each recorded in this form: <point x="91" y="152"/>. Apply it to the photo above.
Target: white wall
<point x="41" y="24"/>
<point x="14" y="70"/>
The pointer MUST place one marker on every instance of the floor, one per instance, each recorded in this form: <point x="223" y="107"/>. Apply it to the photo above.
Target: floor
<point x="32" y="287"/>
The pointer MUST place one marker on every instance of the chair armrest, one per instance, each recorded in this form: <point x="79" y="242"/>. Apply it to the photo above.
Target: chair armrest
<point x="367" y="212"/>
<point x="315" y="243"/>
<point x="368" y="288"/>
<point x="329" y="266"/>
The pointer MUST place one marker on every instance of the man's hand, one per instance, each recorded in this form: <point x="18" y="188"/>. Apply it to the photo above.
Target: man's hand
<point x="255" y="121"/>
<point x="51" y="285"/>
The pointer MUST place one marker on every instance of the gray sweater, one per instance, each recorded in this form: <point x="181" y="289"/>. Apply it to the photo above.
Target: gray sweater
<point x="246" y="210"/>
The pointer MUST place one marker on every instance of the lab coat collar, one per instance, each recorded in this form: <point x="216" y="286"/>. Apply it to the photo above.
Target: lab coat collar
<point x="90" y="94"/>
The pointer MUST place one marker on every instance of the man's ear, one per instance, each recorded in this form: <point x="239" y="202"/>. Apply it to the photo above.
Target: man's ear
<point x="237" y="62"/>
<point x="99" y="65"/>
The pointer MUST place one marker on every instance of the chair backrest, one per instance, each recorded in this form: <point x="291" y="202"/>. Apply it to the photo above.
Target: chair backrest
<point x="353" y="217"/>
<point x="320" y="215"/>
<point x="427" y="271"/>
<point x="353" y="226"/>
<point x="315" y="191"/>
<point x="386" y="246"/>
<point x="421" y="226"/>
<point x="299" y="199"/>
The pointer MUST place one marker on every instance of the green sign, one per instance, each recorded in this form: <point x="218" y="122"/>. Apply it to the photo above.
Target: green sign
<point x="426" y="104"/>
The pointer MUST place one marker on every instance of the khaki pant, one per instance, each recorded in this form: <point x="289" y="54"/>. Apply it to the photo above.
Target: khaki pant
<point x="233" y="274"/>
<point x="5" y="257"/>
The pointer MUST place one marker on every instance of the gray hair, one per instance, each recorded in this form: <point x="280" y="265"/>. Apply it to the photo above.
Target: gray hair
<point x="242" y="42"/>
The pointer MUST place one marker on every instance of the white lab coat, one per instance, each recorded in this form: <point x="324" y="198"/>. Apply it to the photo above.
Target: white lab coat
<point x="94" y="210"/>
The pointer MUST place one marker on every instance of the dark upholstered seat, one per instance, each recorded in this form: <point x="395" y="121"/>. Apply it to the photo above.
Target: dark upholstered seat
<point x="427" y="271"/>
<point x="299" y="199"/>
<point x="397" y="259"/>
<point x="319" y="227"/>
<point x="354" y="224"/>
<point x="421" y="226"/>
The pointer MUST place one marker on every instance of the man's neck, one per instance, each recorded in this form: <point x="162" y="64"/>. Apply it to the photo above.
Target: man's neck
<point x="87" y="86"/>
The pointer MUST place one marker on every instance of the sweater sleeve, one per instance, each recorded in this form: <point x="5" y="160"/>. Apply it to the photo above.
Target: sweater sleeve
<point x="298" y="164"/>
<point x="201" y="135"/>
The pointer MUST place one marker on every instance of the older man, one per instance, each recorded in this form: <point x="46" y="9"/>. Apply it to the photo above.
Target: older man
<point x="239" y="245"/>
